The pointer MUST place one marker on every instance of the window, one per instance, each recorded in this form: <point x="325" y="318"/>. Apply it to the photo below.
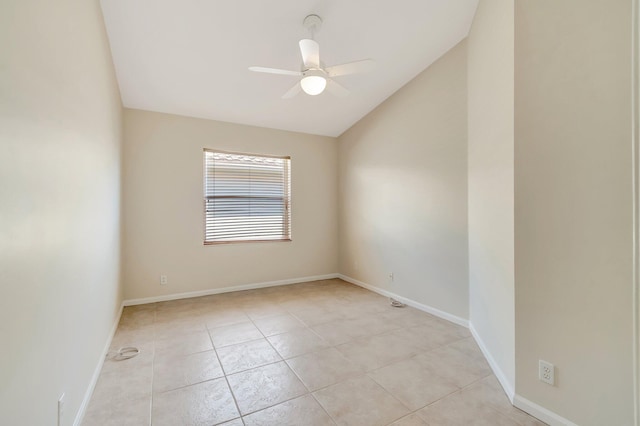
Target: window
<point x="247" y="197"/>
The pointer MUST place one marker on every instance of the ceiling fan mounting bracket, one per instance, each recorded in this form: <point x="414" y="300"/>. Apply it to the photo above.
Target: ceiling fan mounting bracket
<point x="313" y="23"/>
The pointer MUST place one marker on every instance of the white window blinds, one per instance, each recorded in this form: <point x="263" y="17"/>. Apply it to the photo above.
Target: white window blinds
<point x="246" y="197"/>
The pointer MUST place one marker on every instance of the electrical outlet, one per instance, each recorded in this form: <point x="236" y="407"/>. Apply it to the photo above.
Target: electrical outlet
<point x="163" y="280"/>
<point x="546" y="372"/>
<point x="390" y="277"/>
<point x="60" y="409"/>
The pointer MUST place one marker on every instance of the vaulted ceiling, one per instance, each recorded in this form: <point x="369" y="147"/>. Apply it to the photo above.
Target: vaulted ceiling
<point x="191" y="57"/>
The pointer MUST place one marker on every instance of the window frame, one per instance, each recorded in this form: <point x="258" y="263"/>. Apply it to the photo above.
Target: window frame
<point x="287" y="219"/>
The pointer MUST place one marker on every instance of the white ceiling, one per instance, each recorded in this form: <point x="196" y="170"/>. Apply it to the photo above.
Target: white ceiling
<point x="190" y="57"/>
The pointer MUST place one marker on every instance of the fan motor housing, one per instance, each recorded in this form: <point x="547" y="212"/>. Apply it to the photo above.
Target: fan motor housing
<point x="312" y="71"/>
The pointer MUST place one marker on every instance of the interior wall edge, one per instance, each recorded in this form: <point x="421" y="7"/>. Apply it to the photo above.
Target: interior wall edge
<point x="507" y="385"/>
<point x="635" y="121"/>
<point x="96" y="373"/>
<point x="229" y="289"/>
<point x="409" y="302"/>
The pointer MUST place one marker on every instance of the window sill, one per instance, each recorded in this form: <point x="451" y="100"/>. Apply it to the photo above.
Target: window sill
<point x="215" y="243"/>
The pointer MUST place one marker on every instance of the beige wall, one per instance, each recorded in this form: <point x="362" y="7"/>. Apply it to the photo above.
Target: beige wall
<point x="403" y="190"/>
<point x="491" y="228"/>
<point x="60" y="132"/>
<point x="163" y="216"/>
<point x="573" y="204"/>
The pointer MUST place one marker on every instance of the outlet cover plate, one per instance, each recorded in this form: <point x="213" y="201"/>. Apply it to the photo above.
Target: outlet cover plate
<point x="546" y="372"/>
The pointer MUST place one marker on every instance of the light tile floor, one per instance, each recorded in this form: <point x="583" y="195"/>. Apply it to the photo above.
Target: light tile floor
<point x="320" y="353"/>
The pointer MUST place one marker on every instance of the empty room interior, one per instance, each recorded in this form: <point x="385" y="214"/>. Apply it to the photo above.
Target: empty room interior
<point x="315" y="212"/>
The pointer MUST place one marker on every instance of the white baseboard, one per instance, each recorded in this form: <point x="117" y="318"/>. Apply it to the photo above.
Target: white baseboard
<point x="522" y="403"/>
<point x="209" y="292"/>
<point x="547" y="416"/>
<point x="426" y="308"/>
<point x="98" y="369"/>
<point x="507" y="386"/>
<point x="96" y="372"/>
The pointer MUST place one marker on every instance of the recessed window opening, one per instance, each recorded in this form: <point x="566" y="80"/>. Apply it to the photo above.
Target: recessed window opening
<point x="247" y="197"/>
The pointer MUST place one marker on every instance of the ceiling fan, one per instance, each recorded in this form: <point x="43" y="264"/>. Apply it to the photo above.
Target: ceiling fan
<point x="314" y="76"/>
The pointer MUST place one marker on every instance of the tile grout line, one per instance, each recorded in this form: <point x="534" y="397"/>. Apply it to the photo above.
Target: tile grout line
<point x="281" y="360"/>
<point x="459" y="390"/>
<point x="258" y="366"/>
<point x="364" y="373"/>
<point x="215" y="351"/>
<point x="309" y="392"/>
<point x="307" y="326"/>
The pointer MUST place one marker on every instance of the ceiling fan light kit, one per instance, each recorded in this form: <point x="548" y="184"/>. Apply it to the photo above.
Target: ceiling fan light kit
<point x="314" y="78"/>
<point x="313" y="84"/>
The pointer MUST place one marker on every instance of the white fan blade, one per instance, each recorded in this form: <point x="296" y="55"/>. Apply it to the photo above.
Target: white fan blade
<point x="275" y="71"/>
<point x="292" y="92"/>
<point x="337" y="89"/>
<point x="310" y="50"/>
<point x="355" y="67"/>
